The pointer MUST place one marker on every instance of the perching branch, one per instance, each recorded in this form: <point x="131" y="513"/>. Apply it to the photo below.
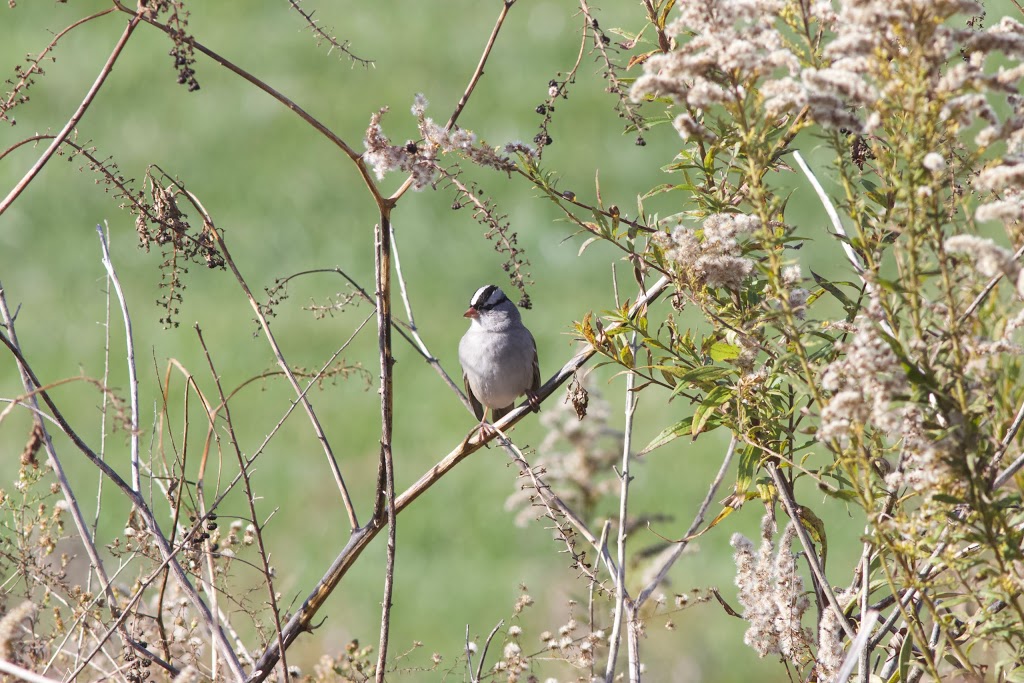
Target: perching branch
<point x="303" y="619"/>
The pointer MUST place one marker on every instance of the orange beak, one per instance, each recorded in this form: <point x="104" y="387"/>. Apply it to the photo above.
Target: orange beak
<point x="471" y="313"/>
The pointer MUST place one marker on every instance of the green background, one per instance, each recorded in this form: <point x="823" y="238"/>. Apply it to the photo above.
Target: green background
<point x="287" y="201"/>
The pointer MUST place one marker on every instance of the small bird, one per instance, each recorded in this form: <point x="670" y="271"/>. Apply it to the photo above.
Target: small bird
<point x="498" y="356"/>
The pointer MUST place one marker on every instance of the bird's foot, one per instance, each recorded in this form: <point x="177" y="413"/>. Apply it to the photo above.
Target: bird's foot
<point x="533" y="400"/>
<point x="484" y="429"/>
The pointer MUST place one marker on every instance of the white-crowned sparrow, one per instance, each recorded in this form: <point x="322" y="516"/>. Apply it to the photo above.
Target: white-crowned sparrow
<point x="498" y="355"/>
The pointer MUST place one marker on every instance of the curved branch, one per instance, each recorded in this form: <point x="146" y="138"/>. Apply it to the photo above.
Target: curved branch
<point x="75" y="118"/>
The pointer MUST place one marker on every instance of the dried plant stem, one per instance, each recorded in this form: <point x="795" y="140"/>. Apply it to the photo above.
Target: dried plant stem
<point x="833" y="215"/>
<point x="167" y="552"/>
<point x="857" y="647"/>
<point x="506" y="5"/>
<point x="76" y="117"/>
<point x="782" y="486"/>
<point x="282" y="363"/>
<point x="250" y="497"/>
<point x="77" y="517"/>
<point x="302" y="621"/>
<point x="133" y="379"/>
<point x="621" y="595"/>
<point x="386" y="478"/>
<point x="483" y="652"/>
<point x="694" y="526"/>
<point x="417" y="341"/>
<point x="23" y="674"/>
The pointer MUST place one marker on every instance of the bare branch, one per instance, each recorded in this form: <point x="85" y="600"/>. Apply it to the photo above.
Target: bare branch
<point x="621" y="594"/>
<point x="76" y="117"/>
<point x="385" y="505"/>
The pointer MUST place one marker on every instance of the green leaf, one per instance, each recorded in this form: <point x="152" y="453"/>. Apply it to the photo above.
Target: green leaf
<point x="706" y="409"/>
<point x="720" y="351"/>
<point x="905" y="651"/>
<point x="749" y="460"/>
<point x="670" y="434"/>
<point x="705" y="373"/>
<point x="816" y="527"/>
<point x="848" y="304"/>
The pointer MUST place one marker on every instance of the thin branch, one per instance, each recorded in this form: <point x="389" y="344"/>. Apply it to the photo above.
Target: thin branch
<point x="1003" y="445"/>
<point x="133" y="379"/>
<point x="24" y="674"/>
<point x="506" y="5"/>
<point x="697" y="521"/>
<point x="858" y="645"/>
<point x="302" y="621"/>
<point x="25" y="75"/>
<point x="386" y="480"/>
<point x="978" y="300"/>
<point x="282" y="363"/>
<point x="250" y="497"/>
<point x="479" y="71"/>
<point x="833" y="215"/>
<point x="483" y="653"/>
<point x="74" y="120"/>
<point x="621" y="595"/>
<point x="812" y="557"/>
<point x="420" y="345"/>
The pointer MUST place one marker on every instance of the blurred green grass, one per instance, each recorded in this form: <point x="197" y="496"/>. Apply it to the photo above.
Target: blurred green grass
<point x="288" y="201"/>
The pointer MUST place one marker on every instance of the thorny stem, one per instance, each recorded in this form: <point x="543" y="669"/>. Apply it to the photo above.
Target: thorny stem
<point x="386" y="483"/>
<point x="360" y="538"/>
<point x="555" y="507"/>
<point x="75" y="117"/>
<point x="621" y="595"/>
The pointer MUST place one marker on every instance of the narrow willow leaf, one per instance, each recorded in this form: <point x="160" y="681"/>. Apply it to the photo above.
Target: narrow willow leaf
<point x="669" y="434"/>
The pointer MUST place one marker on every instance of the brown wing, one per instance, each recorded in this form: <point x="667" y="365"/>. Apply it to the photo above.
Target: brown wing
<point x="478" y="408"/>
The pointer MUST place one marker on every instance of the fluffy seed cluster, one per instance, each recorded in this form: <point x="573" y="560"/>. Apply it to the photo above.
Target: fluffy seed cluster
<point x="989" y="258"/>
<point x="772" y="594"/>
<point x="716" y="260"/>
<point x="830" y="641"/>
<point x="1005" y="179"/>
<point x="715" y="38"/>
<point x="419" y="159"/>
<point x="924" y="463"/>
<point x="864" y="382"/>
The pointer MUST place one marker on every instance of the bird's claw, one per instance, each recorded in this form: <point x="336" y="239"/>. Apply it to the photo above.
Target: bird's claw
<point x="533" y="400"/>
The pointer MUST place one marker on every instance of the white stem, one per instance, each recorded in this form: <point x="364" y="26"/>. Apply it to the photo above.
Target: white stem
<point x="133" y="382"/>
